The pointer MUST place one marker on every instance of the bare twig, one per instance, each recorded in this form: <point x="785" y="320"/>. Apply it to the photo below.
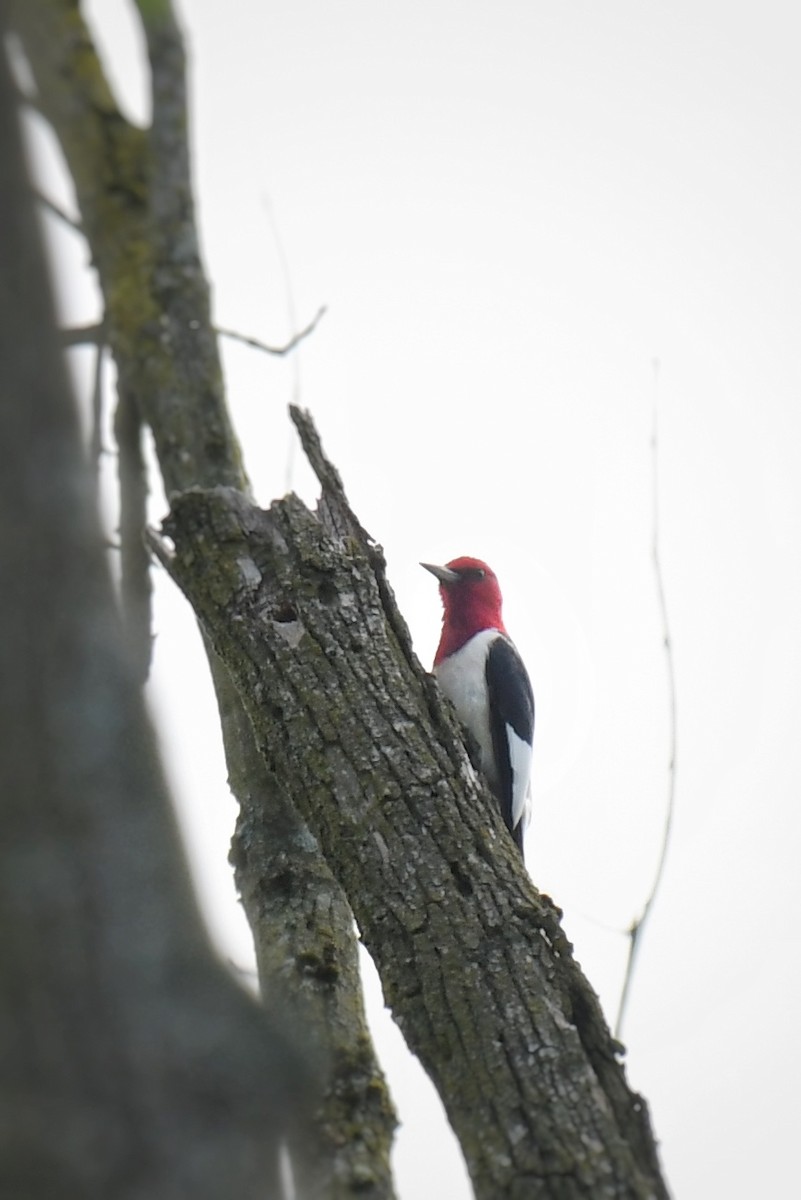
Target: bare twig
<point x="82" y="335"/>
<point x="136" y="586"/>
<point x="161" y="550"/>
<point x="170" y="195"/>
<point x="96" y="446"/>
<point x="278" y="350"/>
<point x="289" y="297"/>
<point x="55" y="209"/>
<point x="636" y="928"/>
<point x="92" y="335"/>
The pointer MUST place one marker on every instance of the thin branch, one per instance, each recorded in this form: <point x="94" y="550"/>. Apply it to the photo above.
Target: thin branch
<point x="56" y="211"/>
<point x="82" y="335"/>
<point x="92" y="335"/>
<point x="636" y="928"/>
<point x="278" y="350"/>
<point x="170" y="190"/>
<point x="96" y="445"/>
<point x="161" y="549"/>
<point x="289" y="297"/>
<point x="136" y="586"/>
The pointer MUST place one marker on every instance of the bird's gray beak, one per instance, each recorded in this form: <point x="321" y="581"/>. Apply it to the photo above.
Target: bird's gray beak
<point x="443" y="574"/>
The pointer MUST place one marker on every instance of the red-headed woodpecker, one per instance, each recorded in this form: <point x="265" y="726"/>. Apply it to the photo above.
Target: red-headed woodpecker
<point x="481" y="672"/>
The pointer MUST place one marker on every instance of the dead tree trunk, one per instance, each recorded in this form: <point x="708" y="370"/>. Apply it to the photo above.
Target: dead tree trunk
<point x="473" y="960"/>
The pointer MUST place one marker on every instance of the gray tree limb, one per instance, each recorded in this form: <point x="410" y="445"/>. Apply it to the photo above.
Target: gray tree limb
<point x="131" y="1065"/>
<point x="134" y="194"/>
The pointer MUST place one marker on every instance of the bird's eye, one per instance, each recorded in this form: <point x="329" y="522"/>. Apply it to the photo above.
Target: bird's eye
<point x="473" y="573"/>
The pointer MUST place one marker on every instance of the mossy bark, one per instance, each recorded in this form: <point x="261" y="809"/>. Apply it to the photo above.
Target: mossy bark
<point x="473" y="960"/>
<point x="308" y="969"/>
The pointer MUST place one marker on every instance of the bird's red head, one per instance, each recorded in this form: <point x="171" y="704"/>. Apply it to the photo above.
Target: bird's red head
<point x="471" y="599"/>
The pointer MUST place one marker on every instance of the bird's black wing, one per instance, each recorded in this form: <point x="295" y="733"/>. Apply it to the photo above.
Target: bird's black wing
<point x="511" y="709"/>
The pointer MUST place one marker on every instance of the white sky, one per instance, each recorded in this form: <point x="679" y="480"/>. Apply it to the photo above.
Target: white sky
<point x="511" y="210"/>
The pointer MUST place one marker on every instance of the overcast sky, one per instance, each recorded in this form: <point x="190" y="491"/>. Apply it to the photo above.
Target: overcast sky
<point x="511" y="211"/>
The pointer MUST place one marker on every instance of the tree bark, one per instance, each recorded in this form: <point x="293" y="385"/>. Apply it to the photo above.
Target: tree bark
<point x="297" y="910"/>
<point x="473" y="960"/>
<point x="135" y="196"/>
<point x="131" y="1065"/>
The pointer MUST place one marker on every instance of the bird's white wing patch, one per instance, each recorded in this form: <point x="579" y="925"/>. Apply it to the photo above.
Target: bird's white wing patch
<point x="520" y="759"/>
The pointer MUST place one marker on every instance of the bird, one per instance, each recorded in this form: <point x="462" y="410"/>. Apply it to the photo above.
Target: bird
<point x="481" y="672"/>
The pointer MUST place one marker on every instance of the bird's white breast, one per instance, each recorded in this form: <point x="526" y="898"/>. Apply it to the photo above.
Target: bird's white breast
<point x="462" y="677"/>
